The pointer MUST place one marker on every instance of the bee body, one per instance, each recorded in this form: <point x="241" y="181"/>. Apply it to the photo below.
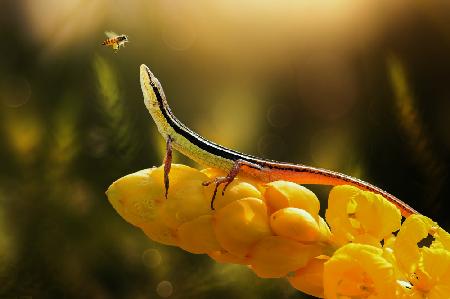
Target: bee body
<point x="115" y="41"/>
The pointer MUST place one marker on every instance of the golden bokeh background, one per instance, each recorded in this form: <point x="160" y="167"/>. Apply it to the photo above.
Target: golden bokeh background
<point x="360" y="87"/>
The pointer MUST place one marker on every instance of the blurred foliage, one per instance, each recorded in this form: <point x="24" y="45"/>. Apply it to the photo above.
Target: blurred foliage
<point x="415" y="132"/>
<point x="117" y="118"/>
<point x="299" y="81"/>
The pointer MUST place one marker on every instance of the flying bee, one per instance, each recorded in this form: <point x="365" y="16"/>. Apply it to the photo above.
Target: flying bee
<point x="115" y="41"/>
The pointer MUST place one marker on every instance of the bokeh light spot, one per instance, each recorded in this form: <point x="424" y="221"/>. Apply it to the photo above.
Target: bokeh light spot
<point x="164" y="289"/>
<point x="151" y="258"/>
<point x="24" y="134"/>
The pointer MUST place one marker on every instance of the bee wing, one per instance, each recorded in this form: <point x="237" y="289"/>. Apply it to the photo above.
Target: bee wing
<point x="111" y="34"/>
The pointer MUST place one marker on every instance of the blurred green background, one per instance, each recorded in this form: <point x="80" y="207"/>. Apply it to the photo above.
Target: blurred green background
<point x="361" y="87"/>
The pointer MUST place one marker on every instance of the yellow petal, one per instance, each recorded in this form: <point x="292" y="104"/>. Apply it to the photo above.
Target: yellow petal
<point x="283" y="194"/>
<point x="309" y="279"/>
<point x="439" y="292"/>
<point x="197" y="236"/>
<point x="359" y="270"/>
<point x="365" y="238"/>
<point x="442" y="239"/>
<point x="340" y="206"/>
<point x="436" y="263"/>
<point x="296" y="224"/>
<point x="431" y="278"/>
<point x="414" y="229"/>
<point x="373" y="207"/>
<point x="241" y="224"/>
<point x="276" y="256"/>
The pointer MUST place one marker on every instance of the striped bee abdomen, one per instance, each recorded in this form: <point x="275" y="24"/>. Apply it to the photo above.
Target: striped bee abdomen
<point x="108" y="41"/>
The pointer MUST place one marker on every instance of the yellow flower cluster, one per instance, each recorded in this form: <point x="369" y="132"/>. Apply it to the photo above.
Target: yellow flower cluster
<point x="380" y="257"/>
<point x="276" y="230"/>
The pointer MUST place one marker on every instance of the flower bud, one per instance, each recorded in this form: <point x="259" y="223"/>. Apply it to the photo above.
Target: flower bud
<point x="137" y="197"/>
<point x="309" y="279"/>
<point x="186" y="199"/>
<point x="223" y="256"/>
<point x="241" y="224"/>
<point x="197" y="236"/>
<point x="159" y="232"/>
<point x="283" y="194"/>
<point x="296" y="224"/>
<point x="276" y="256"/>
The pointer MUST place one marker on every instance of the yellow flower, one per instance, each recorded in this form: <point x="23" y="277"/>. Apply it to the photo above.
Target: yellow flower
<point x="276" y="229"/>
<point x="354" y="216"/>
<point x="432" y="277"/>
<point x="426" y="270"/>
<point x="359" y="271"/>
